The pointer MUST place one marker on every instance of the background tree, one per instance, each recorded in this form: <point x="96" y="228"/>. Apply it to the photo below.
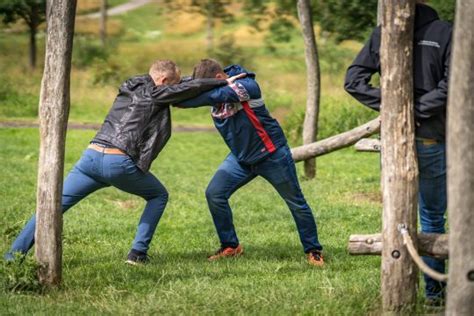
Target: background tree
<point x="103" y="21"/>
<point x="32" y="12"/>
<point x="310" y="126"/>
<point x="212" y="10"/>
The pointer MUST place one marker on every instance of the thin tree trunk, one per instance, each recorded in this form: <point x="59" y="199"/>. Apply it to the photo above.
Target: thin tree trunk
<point x="210" y="30"/>
<point x="53" y="115"/>
<point x="379" y="12"/>
<point x="399" y="167"/>
<point x="32" y="55"/>
<point x="310" y="126"/>
<point x="103" y="22"/>
<point x="461" y="164"/>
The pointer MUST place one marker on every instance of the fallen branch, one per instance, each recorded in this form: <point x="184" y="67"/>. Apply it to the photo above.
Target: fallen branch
<point x="433" y="245"/>
<point x="336" y="142"/>
<point x="368" y="144"/>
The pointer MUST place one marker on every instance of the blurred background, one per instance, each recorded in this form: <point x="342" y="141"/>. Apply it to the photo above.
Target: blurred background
<point x="263" y="36"/>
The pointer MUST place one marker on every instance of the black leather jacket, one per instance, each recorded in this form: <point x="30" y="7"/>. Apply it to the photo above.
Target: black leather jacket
<point x="139" y="122"/>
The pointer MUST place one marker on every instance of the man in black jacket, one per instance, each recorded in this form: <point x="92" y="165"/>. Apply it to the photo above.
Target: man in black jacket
<point x="131" y="137"/>
<point x="432" y="49"/>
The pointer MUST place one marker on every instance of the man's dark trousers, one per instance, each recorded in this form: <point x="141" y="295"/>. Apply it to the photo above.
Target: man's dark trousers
<point x="279" y="170"/>
<point x="432" y="203"/>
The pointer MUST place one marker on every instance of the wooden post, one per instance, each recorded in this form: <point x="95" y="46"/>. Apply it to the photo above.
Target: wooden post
<point x="53" y="115"/>
<point x="313" y="87"/>
<point x="460" y="156"/>
<point x="399" y="166"/>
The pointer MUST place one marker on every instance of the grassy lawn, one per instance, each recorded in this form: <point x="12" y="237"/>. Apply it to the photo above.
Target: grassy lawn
<point x="271" y="278"/>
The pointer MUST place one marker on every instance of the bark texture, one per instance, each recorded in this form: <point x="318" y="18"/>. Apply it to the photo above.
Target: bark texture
<point x="313" y="88"/>
<point x="53" y="115"/>
<point x="368" y="144"/>
<point x="433" y="245"/>
<point x="461" y="164"/>
<point x="336" y="142"/>
<point x="399" y="167"/>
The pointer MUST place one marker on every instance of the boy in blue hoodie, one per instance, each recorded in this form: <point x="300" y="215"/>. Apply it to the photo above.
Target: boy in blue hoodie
<point x="258" y="148"/>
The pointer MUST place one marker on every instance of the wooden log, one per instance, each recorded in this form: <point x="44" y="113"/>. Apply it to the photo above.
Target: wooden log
<point x="368" y="144"/>
<point x="433" y="245"/>
<point x="53" y="115"/>
<point x="461" y="164"/>
<point x="336" y="142"/>
<point x="399" y="166"/>
<point x="313" y="86"/>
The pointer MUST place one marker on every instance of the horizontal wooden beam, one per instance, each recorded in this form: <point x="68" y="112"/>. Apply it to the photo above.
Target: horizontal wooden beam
<point x="336" y="142"/>
<point x="433" y="245"/>
<point x="368" y="144"/>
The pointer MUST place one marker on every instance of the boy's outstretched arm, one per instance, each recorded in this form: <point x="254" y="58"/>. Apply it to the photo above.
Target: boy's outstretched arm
<point x="242" y="90"/>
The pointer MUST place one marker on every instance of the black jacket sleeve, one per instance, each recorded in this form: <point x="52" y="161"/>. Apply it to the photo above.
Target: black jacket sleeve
<point x="358" y="75"/>
<point x="434" y="101"/>
<point x="168" y="94"/>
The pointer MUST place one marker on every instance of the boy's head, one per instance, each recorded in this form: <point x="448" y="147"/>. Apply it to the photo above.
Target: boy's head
<point x="165" y="72"/>
<point x="209" y="68"/>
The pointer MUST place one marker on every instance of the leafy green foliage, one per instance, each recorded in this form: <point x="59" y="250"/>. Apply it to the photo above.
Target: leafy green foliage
<point x="346" y="19"/>
<point x="228" y="52"/>
<point x="445" y="8"/>
<point x="33" y="12"/>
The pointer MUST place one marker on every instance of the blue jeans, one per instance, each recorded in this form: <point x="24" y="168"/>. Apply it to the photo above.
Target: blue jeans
<point x="432" y="204"/>
<point x="279" y="170"/>
<point x="94" y="171"/>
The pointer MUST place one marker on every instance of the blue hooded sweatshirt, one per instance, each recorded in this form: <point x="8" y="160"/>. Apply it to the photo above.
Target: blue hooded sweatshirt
<point x="241" y="117"/>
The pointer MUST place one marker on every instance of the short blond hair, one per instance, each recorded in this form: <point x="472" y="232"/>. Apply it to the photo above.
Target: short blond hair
<point x="164" y="67"/>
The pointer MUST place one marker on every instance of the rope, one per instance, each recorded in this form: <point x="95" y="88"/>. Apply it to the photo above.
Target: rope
<point x="408" y="242"/>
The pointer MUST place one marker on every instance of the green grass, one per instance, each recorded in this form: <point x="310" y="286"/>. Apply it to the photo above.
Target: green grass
<point x="271" y="278"/>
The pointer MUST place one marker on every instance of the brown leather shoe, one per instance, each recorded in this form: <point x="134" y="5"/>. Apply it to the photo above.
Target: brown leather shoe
<point x="315" y="258"/>
<point x="226" y="252"/>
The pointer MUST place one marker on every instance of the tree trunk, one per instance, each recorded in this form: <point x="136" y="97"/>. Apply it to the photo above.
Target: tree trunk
<point x="399" y="166"/>
<point x="313" y="88"/>
<point x="379" y="12"/>
<point x="461" y="164"/>
<point x="103" y="22"/>
<point x="335" y="142"/>
<point x="32" y="55"/>
<point x="210" y="29"/>
<point x="53" y="115"/>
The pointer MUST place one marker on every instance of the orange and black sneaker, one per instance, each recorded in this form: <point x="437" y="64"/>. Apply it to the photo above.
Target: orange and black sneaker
<point x="225" y="252"/>
<point x="315" y="258"/>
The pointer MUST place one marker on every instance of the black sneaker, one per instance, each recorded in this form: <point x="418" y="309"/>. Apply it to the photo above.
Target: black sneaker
<point x="136" y="257"/>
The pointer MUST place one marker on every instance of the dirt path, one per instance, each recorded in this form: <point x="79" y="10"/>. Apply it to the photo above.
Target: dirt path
<point x="95" y="126"/>
<point x="120" y="9"/>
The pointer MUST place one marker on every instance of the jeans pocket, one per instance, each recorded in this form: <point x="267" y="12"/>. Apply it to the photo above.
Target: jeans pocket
<point x="129" y="167"/>
<point x="276" y="168"/>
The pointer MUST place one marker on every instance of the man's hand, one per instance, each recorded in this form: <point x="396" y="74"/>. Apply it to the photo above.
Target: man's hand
<point x="233" y="78"/>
